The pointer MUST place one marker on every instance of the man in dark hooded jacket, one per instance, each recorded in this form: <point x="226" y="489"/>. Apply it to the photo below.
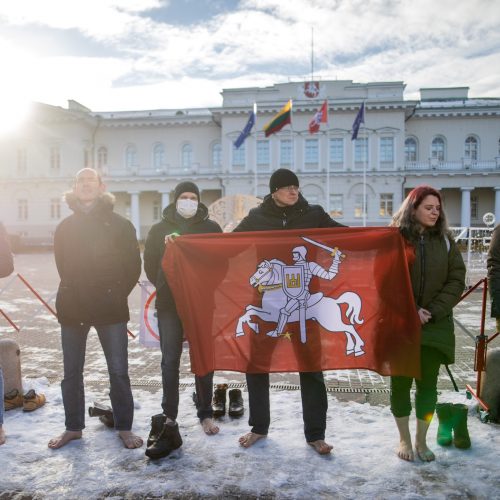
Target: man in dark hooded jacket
<point x="98" y="260"/>
<point x="186" y="215"/>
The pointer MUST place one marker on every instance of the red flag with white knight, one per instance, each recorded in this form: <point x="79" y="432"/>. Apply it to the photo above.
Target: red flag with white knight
<point x="297" y="300"/>
<point x="320" y="117"/>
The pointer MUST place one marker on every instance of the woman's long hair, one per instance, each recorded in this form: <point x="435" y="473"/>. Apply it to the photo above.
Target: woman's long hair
<point x="404" y="218"/>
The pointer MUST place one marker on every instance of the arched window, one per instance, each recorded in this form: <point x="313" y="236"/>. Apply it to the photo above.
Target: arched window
<point x="102" y="157"/>
<point x="217" y="155"/>
<point x="410" y="149"/>
<point x="158" y="156"/>
<point x="471" y="148"/>
<point x="131" y="156"/>
<point x="187" y="156"/>
<point x="438" y="149"/>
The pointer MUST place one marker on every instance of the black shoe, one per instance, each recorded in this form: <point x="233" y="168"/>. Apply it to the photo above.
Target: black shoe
<point x="168" y="441"/>
<point x="195" y="399"/>
<point x="219" y="401"/>
<point x="157" y="423"/>
<point x="104" y="412"/>
<point x="236" y="408"/>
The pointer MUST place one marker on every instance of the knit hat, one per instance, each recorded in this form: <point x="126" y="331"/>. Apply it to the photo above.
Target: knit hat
<point x="186" y="187"/>
<point x="281" y="178"/>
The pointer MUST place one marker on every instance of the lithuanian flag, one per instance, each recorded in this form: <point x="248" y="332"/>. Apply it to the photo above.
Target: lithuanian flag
<point x="284" y="117"/>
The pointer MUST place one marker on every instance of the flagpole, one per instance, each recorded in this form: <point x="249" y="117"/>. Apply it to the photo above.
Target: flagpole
<point x="327" y="163"/>
<point x="255" y="178"/>
<point x="365" y="159"/>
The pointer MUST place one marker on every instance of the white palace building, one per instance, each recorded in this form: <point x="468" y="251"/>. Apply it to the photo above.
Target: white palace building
<point x="446" y="139"/>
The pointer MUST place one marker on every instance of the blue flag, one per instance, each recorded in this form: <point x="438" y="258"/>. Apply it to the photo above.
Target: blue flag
<point x="246" y="131"/>
<point x="360" y="118"/>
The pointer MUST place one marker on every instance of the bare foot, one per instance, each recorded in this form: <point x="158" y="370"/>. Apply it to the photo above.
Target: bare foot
<point x="130" y="440"/>
<point x="64" y="439"/>
<point x="209" y="427"/>
<point x="405" y="451"/>
<point x="320" y="446"/>
<point x="250" y="439"/>
<point x="2" y="435"/>
<point x="425" y="454"/>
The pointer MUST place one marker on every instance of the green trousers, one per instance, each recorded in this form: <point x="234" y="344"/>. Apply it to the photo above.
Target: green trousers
<point x="426" y="388"/>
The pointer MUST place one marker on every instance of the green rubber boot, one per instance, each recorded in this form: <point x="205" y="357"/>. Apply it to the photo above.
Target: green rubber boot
<point x="444" y="412"/>
<point x="461" y="438"/>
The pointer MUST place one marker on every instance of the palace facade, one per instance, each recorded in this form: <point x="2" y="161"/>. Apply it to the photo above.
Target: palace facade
<point x="446" y="139"/>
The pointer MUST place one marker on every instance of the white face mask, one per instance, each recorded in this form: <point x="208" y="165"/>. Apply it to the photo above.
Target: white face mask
<point x="186" y="208"/>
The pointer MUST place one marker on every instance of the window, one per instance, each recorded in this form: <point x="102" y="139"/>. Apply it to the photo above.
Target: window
<point x="86" y="158"/>
<point x="336" y="150"/>
<point x="437" y="149"/>
<point x="22" y="164"/>
<point x="358" y="204"/>
<point x="386" y="205"/>
<point x="130" y="156"/>
<point x="410" y="149"/>
<point x="285" y="152"/>
<point x="158" y="156"/>
<point x="337" y="205"/>
<point x="311" y="153"/>
<point x="187" y="156"/>
<point x="22" y="209"/>
<point x="102" y="157"/>
<point x="238" y="160"/>
<point x="55" y="208"/>
<point x="361" y="150"/>
<point x="471" y="148"/>
<point x="263" y="154"/>
<point x="474" y="207"/>
<point x="55" y="159"/>
<point x="156" y="210"/>
<point x="217" y="155"/>
<point x="386" y="149"/>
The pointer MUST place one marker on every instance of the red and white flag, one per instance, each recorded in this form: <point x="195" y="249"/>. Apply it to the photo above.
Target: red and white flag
<point x="298" y="300"/>
<point x="320" y="117"/>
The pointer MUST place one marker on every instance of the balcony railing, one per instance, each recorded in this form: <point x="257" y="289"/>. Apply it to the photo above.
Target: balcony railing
<point x="461" y="165"/>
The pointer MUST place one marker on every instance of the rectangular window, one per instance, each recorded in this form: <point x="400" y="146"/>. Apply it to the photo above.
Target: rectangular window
<point x="358" y="204"/>
<point x="311" y="154"/>
<point x="22" y="209"/>
<point x="386" y="205"/>
<point x="361" y="150"/>
<point x="285" y="152"/>
<point x="336" y="150"/>
<point x="337" y="205"/>
<point x="55" y="159"/>
<point x="474" y="207"/>
<point x="387" y="150"/>
<point x="55" y="208"/>
<point x="21" y="162"/>
<point x="263" y="159"/>
<point x="238" y="160"/>
<point x="156" y="210"/>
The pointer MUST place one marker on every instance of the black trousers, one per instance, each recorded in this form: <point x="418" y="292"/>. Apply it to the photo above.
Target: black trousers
<point x="314" y="403"/>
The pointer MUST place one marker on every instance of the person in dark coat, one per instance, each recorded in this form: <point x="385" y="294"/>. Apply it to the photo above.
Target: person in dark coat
<point x="186" y="215"/>
<point x="493" y="267"/>
<point x="285" y="208"/>
<point x="98" y="259"/>
<point x="437" y="273"/>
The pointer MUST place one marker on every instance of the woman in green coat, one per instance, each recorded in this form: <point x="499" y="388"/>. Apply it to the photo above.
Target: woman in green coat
<point x="437" y="274"/>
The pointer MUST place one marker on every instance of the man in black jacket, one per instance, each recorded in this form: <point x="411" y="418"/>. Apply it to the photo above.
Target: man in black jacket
<point x="286" y="208"/>
<point x="98" y="260"/>
<point x="186" y="215"/>
<point x="493" y="266"/>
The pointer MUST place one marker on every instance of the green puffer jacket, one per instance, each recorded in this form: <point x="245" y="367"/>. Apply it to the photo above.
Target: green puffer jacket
<point x="493" y="266"/>
<point x="438" y="281"/>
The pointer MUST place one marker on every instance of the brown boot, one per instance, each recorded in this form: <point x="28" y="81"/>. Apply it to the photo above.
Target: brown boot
<point x="33" y="401"/>
<point x="13" y="399"/>
<point x="219" y="400"/>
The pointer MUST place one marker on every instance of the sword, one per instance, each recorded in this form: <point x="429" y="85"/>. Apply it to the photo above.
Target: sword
<point x="333" y="251"/>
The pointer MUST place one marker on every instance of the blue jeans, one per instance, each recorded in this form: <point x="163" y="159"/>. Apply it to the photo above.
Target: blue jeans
<point x="1" y="396"/>
<point x="171" y="338"/>
<point x="114" y="343"/>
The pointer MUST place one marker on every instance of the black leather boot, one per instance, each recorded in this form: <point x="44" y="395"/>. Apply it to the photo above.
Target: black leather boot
<point x="157" y="423"/>
<point x="104" y="412"/>
<point x="219" y="400"/>
<point x="168" y="441"/>
<point x="236" y="408"/>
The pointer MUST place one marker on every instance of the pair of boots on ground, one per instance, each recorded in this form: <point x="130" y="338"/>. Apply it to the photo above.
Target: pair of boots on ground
<point x="453" y="425"/>
<point x="29" y="401"/>
<point x="235" y="409"/>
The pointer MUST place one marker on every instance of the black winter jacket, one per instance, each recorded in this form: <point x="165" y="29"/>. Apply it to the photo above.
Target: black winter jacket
<point x="268" y="216"/>
<point x="98" y="260"/>
<point x="493" y="266"/>
<point x="6" y="261"/>
<point x="171" y="222"/>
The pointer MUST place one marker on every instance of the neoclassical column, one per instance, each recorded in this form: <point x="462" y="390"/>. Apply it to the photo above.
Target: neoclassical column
<point x="465" y="214"/>
<point x="497" y="205"/>
<point x="165" y="199"/>
<point x="135" y="216"/>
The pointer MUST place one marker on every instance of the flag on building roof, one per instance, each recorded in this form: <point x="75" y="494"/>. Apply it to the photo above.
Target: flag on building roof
<point x="360" y="118"/>
<point x="284" y="117"/>
<point x="246" y="131"/>
<point x="320" y="117"/>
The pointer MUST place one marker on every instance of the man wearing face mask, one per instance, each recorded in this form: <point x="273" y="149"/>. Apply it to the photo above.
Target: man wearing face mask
<point x="186" y="215"/>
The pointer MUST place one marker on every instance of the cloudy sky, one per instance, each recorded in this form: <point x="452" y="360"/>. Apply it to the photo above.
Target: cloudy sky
<point x="154" y="54"/>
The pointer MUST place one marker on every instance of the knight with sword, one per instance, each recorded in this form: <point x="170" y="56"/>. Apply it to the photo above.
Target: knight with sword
<point x="296" y="279"/>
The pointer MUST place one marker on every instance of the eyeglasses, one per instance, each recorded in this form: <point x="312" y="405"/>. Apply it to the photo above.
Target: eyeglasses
<point x="291" y="189"/>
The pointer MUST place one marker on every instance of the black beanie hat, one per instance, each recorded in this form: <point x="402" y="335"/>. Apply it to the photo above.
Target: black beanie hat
<point x="186" y="187"/>
<point x="281" y="178"/>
